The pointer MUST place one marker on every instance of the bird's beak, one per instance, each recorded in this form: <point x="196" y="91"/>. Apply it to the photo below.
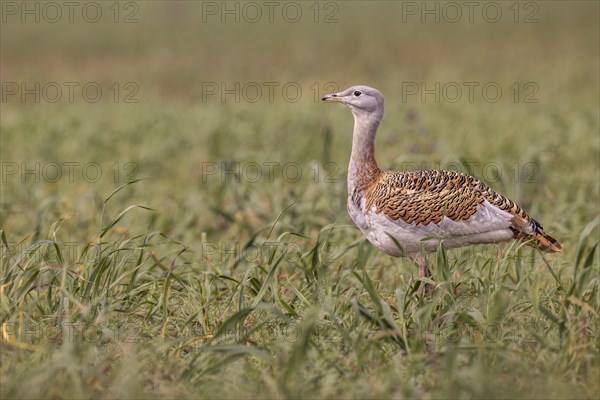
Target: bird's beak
<point x="332" y="97"/>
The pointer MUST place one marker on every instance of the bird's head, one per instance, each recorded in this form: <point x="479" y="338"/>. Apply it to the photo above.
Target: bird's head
<point x="360" y="99"/>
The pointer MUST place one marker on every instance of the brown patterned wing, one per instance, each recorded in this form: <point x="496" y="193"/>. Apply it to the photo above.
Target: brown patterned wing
<point x="424" y="197"/>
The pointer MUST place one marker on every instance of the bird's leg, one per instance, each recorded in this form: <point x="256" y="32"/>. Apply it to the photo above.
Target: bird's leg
<point x="421" y="263"/>
<point x="425" y="288"/>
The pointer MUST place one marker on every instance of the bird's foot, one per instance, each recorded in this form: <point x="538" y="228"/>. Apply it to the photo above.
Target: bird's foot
<point x="425" y="289"/>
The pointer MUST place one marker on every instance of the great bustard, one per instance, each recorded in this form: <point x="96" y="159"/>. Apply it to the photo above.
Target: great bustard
<point x="410" y="213"/>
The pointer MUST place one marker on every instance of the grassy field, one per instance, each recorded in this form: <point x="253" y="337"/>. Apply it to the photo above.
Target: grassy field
<point x="173" y="218"/>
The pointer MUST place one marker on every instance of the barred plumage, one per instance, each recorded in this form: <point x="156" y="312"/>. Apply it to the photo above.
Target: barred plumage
<point x="426" y="197"/>
<point x="406" y="213"/>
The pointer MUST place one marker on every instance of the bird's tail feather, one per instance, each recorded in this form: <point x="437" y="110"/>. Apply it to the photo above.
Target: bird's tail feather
<point x="540" y="239"/>
<point x="546" y="243"/>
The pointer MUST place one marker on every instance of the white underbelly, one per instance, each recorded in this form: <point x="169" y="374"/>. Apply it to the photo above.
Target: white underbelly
<point x="407" y="242"/>
<point x="398" y="238"/>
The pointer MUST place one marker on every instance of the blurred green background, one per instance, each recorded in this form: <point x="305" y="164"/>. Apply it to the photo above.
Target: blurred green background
<point x="220" y="161"/>
<point x="170" y="58"/>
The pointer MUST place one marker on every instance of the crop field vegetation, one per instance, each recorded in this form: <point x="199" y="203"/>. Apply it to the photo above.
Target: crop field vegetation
<point x="173" y="200"/>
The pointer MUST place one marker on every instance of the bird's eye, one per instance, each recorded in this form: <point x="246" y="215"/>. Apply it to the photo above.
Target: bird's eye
<point x="357" y="93"/>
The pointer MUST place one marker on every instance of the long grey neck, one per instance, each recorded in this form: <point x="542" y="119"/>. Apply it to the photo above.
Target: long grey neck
<point x="363" y="168"/>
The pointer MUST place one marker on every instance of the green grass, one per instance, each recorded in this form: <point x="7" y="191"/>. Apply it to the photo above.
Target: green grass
<point x="164" y="277"/>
